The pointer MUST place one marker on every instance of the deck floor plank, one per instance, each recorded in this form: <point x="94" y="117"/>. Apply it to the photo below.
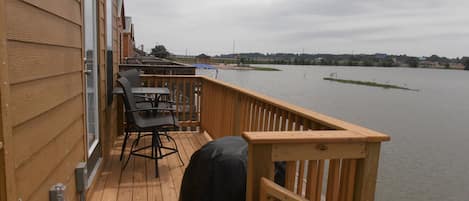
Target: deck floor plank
<point x="139" y="187"/>
<point x="126" y="183"/>
<point x="137" y="182"/>
<point x="99" y="187"/>
<point x="113" y="175"/>
<point x="168" y="188"/>
<point x="153" y="183"/>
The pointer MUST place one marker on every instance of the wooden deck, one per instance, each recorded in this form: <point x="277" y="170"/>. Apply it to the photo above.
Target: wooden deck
<point x="137" y="182"/>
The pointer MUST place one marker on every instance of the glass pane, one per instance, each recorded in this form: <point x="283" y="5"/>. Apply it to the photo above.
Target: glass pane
<point x="91" y="74"/>
<point x="109" y="24"/>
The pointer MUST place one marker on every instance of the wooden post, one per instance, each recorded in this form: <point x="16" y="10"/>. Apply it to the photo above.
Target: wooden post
<point x="259" y="155"/>
<point x="237" y="114"/>
<point x="367" y="171"/>
<point x="202" y="94"/>
<point x="7" y="162"/>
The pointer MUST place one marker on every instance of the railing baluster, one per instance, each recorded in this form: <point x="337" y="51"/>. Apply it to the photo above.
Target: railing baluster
<point x="311" y="180"/>
<point x="333" y="180"/>
<point x="178" y="103"/>
<point x="301" y="176"/>
<point x="271" y="118"/>
<point x="297" y="122"/>
<point x="191" y="100"/>
<point x="290" y="174"/>
<point x="262" y="117"/>
<point x="184" y="99"/>
<point x="250" y="115"/>
<point x="277" y="119"/>
<point x="290" y="122"/>
<point x="255" y="116"/>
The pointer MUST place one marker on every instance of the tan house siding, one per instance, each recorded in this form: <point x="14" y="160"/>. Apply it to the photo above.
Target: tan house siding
<point x="42" y="121"/>
<point x="44" y="51"/>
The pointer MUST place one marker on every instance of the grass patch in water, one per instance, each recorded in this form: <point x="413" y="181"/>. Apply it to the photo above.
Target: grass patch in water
<point x="264" y="68"/>
<point x="368" y="83"/>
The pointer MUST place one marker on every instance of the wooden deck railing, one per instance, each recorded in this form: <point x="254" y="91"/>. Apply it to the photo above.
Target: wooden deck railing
<point x="317" y="148"/>
<point x="352" y="161"/>
<point x="185" y="91"/>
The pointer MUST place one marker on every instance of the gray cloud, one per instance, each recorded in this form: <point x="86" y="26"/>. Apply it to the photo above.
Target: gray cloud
<point x="324" y="26"/>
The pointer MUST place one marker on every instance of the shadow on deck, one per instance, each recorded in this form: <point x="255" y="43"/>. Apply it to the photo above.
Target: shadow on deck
<point x="137" y="182"/>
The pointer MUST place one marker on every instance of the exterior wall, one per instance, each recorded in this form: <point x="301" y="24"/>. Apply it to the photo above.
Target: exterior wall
<point x="125" y="45"/>
<point x="108" y="113"/>
<point x="44" y="51"/>
<point x="6" y="162"/>
<point x="128" y="45"/>
<point x="42" y="121"/>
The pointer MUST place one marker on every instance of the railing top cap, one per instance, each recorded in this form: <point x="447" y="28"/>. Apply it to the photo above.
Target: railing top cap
<point x="321" y="136"/>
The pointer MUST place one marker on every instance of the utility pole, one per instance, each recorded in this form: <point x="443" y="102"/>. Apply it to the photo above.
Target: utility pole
<point x="234" y="44"/>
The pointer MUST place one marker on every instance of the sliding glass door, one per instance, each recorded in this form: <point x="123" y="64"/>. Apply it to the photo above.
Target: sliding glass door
<point x="91" y="82"/>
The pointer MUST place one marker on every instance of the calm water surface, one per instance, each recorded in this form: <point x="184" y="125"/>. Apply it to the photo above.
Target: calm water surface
<point x="428" y="157"/>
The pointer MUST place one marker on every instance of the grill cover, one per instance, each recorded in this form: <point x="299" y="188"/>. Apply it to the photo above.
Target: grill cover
<point x="218" y="170"/>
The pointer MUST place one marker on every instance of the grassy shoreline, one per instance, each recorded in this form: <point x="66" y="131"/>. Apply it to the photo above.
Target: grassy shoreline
<point x="264" y="68"/>
<point x="368" y="83"/>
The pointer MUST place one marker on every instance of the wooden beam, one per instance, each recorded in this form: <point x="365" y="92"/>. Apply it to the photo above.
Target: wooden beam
<point x="259" y="165"/>
<point x="7" y="165"/>
<point x="270" y="190"/>
<point x="367" y="172"/>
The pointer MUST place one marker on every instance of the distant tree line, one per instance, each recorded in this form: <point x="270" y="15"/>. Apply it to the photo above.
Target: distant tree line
<point x="160" y="51"/>
<point x="344" y="59"/>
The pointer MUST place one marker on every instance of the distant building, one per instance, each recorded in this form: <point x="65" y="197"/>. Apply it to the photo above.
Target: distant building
<point x="203" y="59"/>
<point x="429" y="64"/>
<point x="380" y="56"/>
<point x="459" y="66"/>
<point x="128" y="40"/>
<point x="318" y="60"/>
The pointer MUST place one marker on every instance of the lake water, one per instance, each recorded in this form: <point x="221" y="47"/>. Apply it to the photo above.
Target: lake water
<point x="428" y="156"/>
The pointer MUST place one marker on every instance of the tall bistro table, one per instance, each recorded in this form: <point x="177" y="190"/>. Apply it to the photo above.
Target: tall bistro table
<point x="157" y="91"/>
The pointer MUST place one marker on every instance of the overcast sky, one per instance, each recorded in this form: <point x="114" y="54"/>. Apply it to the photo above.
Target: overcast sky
<point x="412" y="27"/>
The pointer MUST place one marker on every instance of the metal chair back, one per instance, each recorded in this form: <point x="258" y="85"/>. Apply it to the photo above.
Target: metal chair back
<point x="133" y="76"/>
<point x="129" y="99"/>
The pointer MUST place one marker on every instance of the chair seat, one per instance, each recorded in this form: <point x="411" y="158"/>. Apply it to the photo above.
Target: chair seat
<point x="160" y="120"/>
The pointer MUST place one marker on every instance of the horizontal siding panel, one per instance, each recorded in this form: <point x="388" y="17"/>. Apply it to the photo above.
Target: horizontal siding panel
<point x="27" y="23"/>
<point x="30" y="61"/>
<point x="48" y="162"/>
<point x="42" y="193"/>
<point x="30" y="137"/>
<point x="39" y="96"/>
<point x="68" y="9"/>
